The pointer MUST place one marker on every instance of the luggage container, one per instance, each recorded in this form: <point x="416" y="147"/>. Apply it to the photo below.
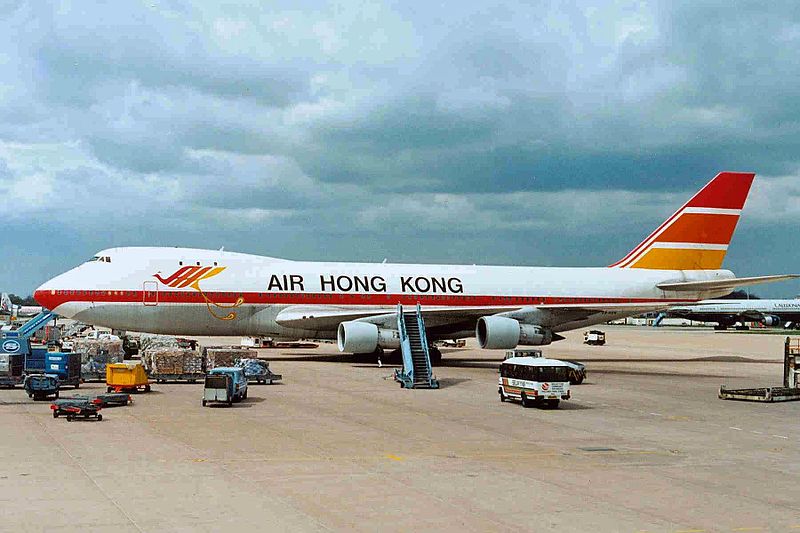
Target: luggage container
<point x="12" y="368"/>
<point x="67" y="366"/>
<point x="40" y="386"/>
<point x="127" y="377"/>
<point x="36" y="360"/>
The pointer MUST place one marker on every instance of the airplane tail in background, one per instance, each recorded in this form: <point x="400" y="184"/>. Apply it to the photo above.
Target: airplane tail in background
<point x="696" y="237"/>
<point x="5" y="303"/>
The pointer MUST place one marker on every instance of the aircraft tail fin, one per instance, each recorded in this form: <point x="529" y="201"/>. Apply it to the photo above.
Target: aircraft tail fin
<point x="5" y="303"/>
<point x="696" y="236"/>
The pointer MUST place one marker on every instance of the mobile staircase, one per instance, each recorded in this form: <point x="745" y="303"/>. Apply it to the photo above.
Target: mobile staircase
<point x="417" y="372"/>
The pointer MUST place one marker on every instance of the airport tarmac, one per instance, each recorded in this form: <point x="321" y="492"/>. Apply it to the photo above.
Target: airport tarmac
<point x="644" y="445"/>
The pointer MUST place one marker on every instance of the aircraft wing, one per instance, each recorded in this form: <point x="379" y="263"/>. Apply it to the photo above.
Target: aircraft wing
<point x="454" y="318"/>
<point x="717" y="284"/>
<point x="328" y="318"/>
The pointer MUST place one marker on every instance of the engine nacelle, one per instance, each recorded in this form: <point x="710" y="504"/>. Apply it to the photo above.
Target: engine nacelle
<point x="363" y="337"/>
<point x="501" y="333"/>
<point x="771" y="320"/>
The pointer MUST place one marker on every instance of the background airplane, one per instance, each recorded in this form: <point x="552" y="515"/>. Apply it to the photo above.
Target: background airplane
<point x="207" y="292"/>
<point x="728" y="313"/>
<point x="7" y="307"/>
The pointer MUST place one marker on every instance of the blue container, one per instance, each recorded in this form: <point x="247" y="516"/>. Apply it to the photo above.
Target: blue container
<point x="35" y="361"/>
<point x="66" y="366"/>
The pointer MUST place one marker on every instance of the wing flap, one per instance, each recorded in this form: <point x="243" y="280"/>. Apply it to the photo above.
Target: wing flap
<point x="328" y="318"/>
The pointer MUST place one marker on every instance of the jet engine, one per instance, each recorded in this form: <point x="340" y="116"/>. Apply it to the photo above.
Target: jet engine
<point x="771" y="320"/>
<point x="501" y="333"/>
<point x="363" y="337"/>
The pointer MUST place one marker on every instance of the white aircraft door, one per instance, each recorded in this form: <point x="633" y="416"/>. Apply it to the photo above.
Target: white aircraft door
<point x="150" y="289"/>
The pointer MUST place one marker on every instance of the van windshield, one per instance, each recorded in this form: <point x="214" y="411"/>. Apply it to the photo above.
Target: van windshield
<point x="534" y="373"/>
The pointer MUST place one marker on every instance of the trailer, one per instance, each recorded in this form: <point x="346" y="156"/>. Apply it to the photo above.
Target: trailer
<point x="188" y="378"/>
<point x="77" y="408"/>
<point x="126" y="377"/>
<point x="791" y="379"/>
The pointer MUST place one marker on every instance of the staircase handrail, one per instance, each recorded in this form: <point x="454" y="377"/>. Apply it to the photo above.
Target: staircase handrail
<point x="424" y="339"/>
<point x="405" y="344"/>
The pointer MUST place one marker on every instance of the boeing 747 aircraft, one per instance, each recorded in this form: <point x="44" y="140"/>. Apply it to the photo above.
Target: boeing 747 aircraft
<point x="183" y="291"/>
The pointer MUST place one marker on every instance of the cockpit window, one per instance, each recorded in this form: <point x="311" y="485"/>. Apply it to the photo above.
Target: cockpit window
<point x="102" y="259"/>
<point x="95" y="258"/>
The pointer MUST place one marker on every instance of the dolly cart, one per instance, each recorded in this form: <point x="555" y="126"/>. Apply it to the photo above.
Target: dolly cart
<point x="40" y="386"/>
<point x="127" y="377"/>
<point x="77" y="408"/>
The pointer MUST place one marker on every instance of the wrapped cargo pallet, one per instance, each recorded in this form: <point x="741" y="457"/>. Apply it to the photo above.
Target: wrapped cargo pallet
<point x="155" y="342"/>
<point x="173" y="364"/>
<point x="257" y="370"/>
<point x="217" y="356"/>
<point x="96" y="354"/>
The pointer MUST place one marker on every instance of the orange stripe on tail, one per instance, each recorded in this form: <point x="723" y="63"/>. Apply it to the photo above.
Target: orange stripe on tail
<point x="695" y="237"/>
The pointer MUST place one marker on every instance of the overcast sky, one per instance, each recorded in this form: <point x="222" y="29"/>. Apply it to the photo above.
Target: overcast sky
<point x="535" y="133"/>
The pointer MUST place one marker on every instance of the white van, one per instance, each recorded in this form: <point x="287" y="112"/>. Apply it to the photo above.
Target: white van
<point x="534" y="381"/>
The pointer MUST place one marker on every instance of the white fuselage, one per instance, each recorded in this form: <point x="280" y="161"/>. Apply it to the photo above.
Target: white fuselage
<point x="205" y="292"/>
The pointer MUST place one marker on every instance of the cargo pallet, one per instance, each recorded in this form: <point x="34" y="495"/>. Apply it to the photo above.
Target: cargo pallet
<point x="788" y="393"/>
<point x="189" y="378"/>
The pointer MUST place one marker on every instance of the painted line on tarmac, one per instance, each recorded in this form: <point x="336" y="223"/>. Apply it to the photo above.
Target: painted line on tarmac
<point x="756" y="528"/>
<point x="735" y="428"/>
<point x="690" y="531"/>
<point x="394" y="457"/>
<point x="781" y="436"/>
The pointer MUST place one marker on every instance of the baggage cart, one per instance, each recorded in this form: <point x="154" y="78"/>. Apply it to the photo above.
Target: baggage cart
<point x="73" y="408"/>
<point x="127" y="377"/>
<point x="113" y="399"/>
<point x="41" y="386"/>
<point x="189" y="378"/>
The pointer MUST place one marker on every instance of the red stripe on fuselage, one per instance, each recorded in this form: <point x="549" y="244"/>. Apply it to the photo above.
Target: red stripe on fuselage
<point x="51" y="301"/>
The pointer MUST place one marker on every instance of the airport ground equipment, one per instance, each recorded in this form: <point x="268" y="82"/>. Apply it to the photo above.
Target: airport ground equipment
<point x="791" y="379"/>
<point x="594" y="337"/>
<point x="225" y="385"/>
<point x="19" y="342"/>
<point x="73" y="408"/>
<point x="256" y="370"/>
<point x="534" y="381"/>
<point x="111" y="399"/>
<point x="127" y="377"/>
<point x="12" y="369"/>
<point x="577" y="372"/>
<point x="522" y="352"/>
<point x="417" y="371"/>
<point x="65" y="366"/>
<point x="237" y="386"/>
<point x="41" y="386"/>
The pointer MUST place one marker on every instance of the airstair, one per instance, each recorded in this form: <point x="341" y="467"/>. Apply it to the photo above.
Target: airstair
<point x="660" y="318"/>
<point x="417" y="372"/>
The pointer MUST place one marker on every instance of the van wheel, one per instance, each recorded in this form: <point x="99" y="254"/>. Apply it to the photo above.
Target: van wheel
<point x="525" y="401"/>
<point x="230" y="403"/>
<point x="147" y="388"/>
<point x="99" y="418"/>
<point x="204" y="403"/>
<point x="55" y="413"/>
<point x="245" y="395"/>
<point x="502" y="396"/>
